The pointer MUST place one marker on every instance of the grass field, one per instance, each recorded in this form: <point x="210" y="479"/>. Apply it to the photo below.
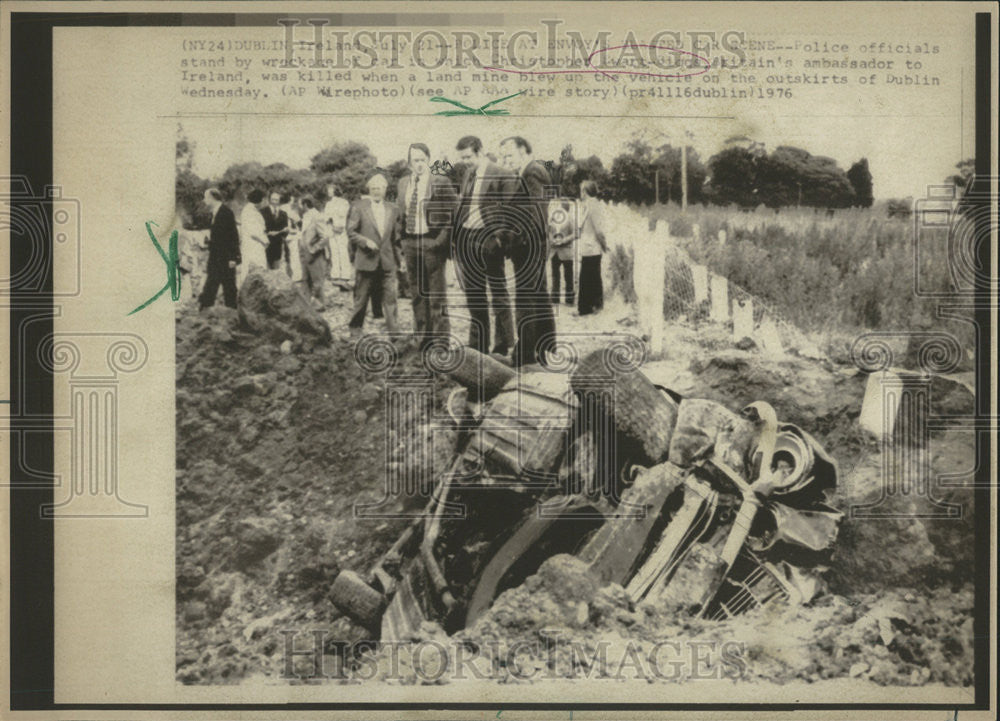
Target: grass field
<point x="836" y="275"/>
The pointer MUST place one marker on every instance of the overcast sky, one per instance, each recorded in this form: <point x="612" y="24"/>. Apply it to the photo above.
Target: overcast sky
<point x="901" y="159"/>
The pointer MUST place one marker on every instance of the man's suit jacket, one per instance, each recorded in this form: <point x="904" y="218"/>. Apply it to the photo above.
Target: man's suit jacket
<point x="361" y="224"/>
<point x="312" y="240"/>
<point x="497" y="189"/>
<point x="223" y="239"/>
<point x="275" y="221"/>
<point x="531" y="183"/>
<point x="437" y="205"/>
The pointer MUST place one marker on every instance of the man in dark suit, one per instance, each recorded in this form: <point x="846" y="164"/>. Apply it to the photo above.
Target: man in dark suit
<point x="223" y="252"/>
<point x="374" y="228"/>
<point x="526" y="248"/>
<point x="477" y="247"/>
<point x="427" y="202"/>
<point x="276" y="224"/>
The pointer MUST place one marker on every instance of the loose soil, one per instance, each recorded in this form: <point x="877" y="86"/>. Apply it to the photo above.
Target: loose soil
<point x="277" y="445"/>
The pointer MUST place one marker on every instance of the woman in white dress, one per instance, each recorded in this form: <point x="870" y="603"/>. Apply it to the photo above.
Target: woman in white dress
<point x="253" y="235"/>
<point x="335" y="213"/>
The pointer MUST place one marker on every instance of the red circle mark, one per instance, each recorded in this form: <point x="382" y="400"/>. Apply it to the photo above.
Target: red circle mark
<point x="612" y="73"/>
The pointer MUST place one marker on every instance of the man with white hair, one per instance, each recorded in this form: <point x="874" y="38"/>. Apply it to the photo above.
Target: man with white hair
<point x="374" y="231"/>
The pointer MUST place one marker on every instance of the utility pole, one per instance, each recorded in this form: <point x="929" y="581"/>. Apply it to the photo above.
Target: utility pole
<point x="684" y="181"/>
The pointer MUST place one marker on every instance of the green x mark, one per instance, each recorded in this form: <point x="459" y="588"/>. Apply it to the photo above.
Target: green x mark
<point x="172" y="260"/>
<point x="482" y="110"/>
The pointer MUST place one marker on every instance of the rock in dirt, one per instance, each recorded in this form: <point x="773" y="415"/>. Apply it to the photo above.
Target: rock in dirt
<point x="257" y="539"/>
<point x="270" y="305"/>
<point x="195" y="611"/>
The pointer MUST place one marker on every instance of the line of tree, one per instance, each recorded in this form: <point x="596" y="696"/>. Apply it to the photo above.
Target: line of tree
<point x="743" y="173"/>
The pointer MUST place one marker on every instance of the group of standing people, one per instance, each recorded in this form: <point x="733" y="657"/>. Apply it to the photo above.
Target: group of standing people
<point x="269" y="232"/>
<point x="499" y="213"/>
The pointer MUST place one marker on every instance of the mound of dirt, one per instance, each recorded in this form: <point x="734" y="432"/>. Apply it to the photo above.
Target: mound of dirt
<point x="280" y="438"/>
<point x="276" y="444"/>
<point x="271" y="306"/>
<point x="558" y="625"/>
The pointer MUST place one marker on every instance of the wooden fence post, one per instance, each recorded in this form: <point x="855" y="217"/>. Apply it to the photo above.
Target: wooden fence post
<point x="720" y="299"/>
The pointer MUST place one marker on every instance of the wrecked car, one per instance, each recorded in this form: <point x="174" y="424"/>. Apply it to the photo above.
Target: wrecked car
<point x="681" y="501"/>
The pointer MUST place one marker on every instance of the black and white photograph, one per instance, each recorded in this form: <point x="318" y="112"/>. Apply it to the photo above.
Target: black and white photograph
<point x="566" y="404"/>
<point x="505" y="360"/>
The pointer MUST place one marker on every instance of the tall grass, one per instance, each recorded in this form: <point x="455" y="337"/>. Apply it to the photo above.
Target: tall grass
<point x="842" y="273"/>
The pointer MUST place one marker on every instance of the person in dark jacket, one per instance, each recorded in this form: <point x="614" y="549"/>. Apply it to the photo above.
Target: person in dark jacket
<point x="223" y="252"/>
<point x="480" y="224"/>
<point x="276" y="224"/>
<point x="427" y="202"/>
<point x="526" y="248"/>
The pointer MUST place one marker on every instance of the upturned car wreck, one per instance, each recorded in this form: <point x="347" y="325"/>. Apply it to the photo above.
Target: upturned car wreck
<point x="681" y="501"/>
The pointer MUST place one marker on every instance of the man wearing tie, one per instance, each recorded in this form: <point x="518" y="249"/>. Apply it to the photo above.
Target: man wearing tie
<point x="427" y="202"/>
<point x="223" y="252"/>
<point x="277" y="226"/>
<point x="536" y="323"/>
<point x="478" y="253"/>
<point x="373" y="231"/>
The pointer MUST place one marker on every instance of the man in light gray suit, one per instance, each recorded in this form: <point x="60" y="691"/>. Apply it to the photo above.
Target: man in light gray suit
<point x="374" y="228"/>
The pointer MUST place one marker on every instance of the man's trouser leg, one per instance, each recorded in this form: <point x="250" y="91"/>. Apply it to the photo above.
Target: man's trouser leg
<point x="306" y="277"/>
<point x="568" y="275"/>
<point x="470" y="267"/>
<point x="319" y="268"/>
<point x="536" y="321"/>
<point x="426" y="270"/>
<point x="211" y="287"/>
<point x="390" y="291"/>
<point x="555" y="277"/>
<point x="228" y="286"/>
<point x="437" y="289"/>
<point x="362" y="296"/>
<point x="315" y="269"/>
<point x="376" y="296"/>
<point x="273" y="254"/>
<point x="496" y="275"/>
<point x="416" y="267"/>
